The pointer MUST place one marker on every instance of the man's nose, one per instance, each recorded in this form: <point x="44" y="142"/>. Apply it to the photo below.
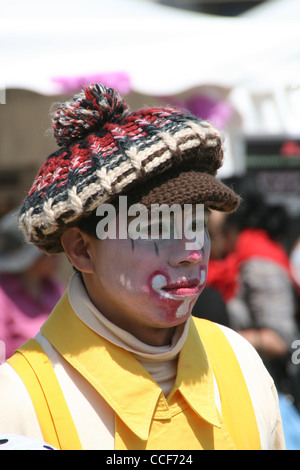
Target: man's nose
<point x="180" y="254"/>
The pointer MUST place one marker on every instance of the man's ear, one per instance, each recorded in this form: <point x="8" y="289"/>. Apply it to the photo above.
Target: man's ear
<point x="76" y="246"/>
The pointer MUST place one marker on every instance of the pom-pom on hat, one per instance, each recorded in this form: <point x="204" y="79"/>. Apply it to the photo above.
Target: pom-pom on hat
<point x="155" y="155"/>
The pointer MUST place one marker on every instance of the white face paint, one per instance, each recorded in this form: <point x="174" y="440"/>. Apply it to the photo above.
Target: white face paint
<point x="184" y="290"/>
<point x="144" y="285"/>
<point x="186" y="300"/>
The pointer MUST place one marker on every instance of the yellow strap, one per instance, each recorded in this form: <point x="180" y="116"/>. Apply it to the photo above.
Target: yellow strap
<point x="240" y="430"/>
<point x="36" y="371"/>
<point x="237" y="408"/>
<point x="56" y="422"/>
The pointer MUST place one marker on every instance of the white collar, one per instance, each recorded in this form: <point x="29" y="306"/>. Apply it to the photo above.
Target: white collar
<point x="90" y="315"/>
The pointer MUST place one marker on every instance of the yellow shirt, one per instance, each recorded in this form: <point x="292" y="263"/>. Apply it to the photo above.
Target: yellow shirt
<point x="145" y="419"/>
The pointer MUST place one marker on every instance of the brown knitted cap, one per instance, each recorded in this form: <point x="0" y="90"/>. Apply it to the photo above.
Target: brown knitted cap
<point x="155" y="155"/>
<point x="185" y="187"/>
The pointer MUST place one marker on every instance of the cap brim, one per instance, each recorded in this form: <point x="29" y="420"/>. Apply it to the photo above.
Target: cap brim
<point x="187" y="187"/>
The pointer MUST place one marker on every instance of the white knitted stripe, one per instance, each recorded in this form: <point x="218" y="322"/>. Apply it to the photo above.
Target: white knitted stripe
<point x="169" y="140"/>
<point x="48" y="211"/>
<point x="119" y="171"/>
<point x="105" y="180"/>
<point x="125" y="182"/>
<point x="157" y="161"/>
<point x="203" y="132"/>
<point x="144" y="154"/>
<point x="189" y="144"/>
<point x="135" y="159"/>
<point x="23" y="222"/>
<point x="75" y="200"/>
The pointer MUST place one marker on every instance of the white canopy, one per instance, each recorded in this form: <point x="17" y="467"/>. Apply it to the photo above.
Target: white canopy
<point x="158" y="50"/>
<point x="252" y="61"/>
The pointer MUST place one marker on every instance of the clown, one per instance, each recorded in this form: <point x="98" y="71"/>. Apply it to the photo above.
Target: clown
<point x="120" y="363"/>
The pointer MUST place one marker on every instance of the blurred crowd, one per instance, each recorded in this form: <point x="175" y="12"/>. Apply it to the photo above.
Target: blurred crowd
<point x="253" y="287"/>
<point x="29" y="285"/>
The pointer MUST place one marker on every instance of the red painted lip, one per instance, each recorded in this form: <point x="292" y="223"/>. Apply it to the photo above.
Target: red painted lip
<point x="180" y="284"/>
<point x="189" y="287"/>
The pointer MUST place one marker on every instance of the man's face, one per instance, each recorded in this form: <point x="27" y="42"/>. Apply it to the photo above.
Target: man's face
<point x="148" y="283"/>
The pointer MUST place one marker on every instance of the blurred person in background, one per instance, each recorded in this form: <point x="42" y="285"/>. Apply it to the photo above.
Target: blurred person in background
<point x="252" y="271"/>
<point x="295" y="266"/>
<point x="28" y="285"/>
<point x="263" y="301"/>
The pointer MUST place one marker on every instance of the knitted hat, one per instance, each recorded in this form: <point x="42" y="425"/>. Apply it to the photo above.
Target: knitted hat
<point x="155" y="155"/>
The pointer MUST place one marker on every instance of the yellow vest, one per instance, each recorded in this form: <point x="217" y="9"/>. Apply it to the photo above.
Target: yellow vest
<point x="144" y="419"/>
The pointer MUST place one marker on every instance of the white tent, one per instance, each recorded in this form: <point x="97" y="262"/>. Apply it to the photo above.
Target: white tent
<point x="270" y="99"/>
<point x="54" y="47"/>
<point x="162" y="50"/>
<point x="276" y="9"/>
